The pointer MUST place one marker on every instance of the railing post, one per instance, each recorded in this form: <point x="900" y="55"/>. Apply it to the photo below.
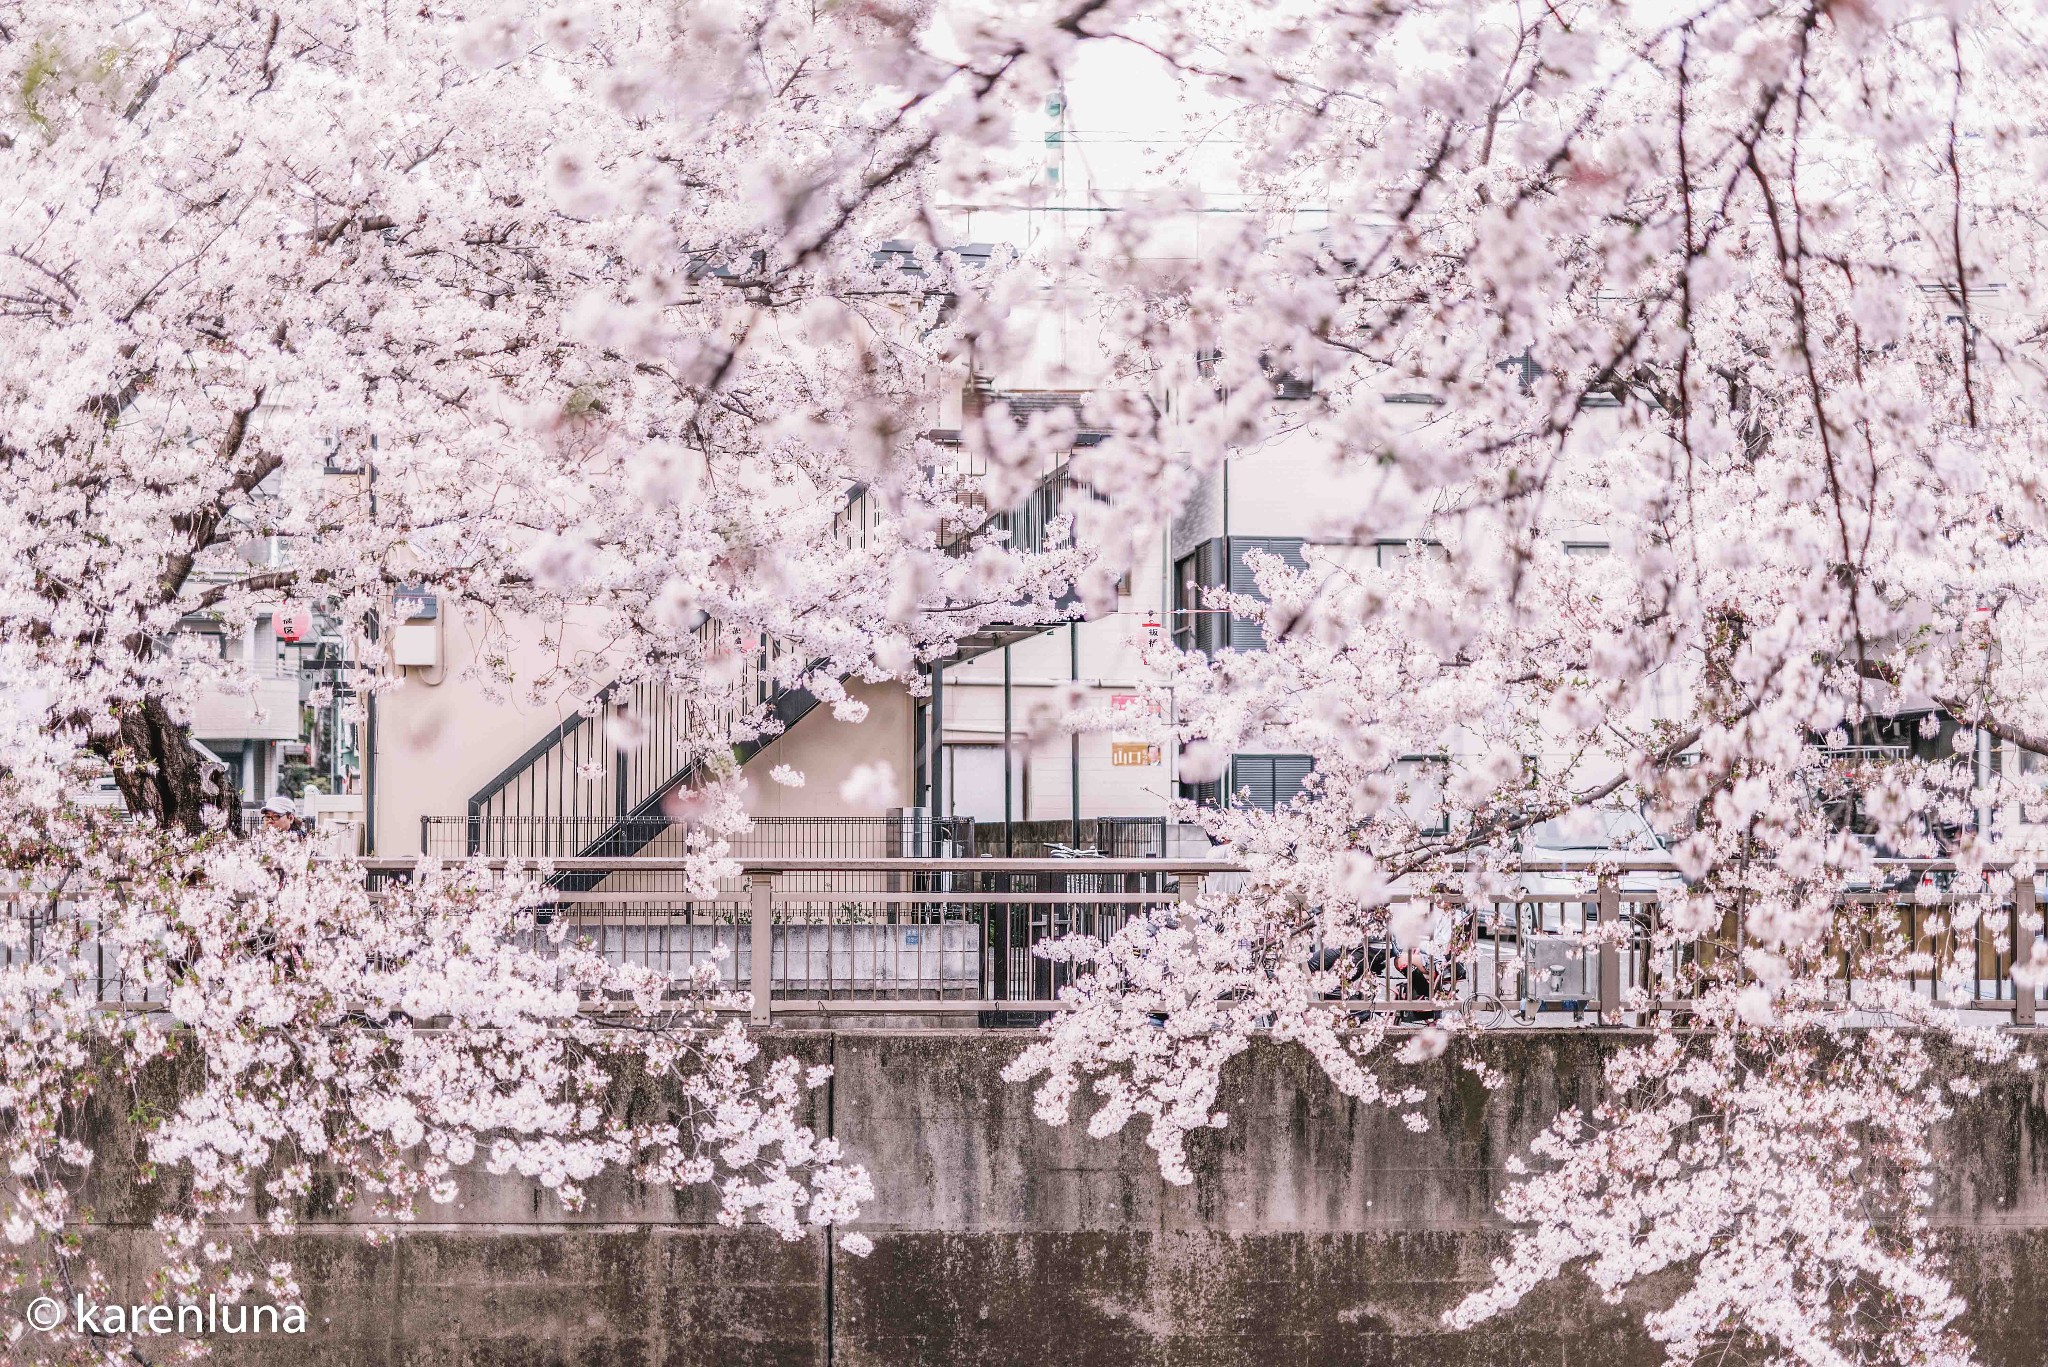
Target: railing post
<point x="2023" y="912"/>
<point x="1190" y="888"/>
<point x="1610" y="953"/>
<point x="761" y="942"/>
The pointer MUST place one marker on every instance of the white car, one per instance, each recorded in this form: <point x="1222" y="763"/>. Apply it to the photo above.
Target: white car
<point x="1581" y="838"/>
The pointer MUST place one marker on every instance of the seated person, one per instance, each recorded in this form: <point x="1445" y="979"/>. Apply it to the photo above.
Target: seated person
<point x="1422" y="950"/>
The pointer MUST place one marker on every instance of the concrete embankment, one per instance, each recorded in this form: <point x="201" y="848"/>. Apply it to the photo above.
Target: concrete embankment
<point x="1318" y="1232"/>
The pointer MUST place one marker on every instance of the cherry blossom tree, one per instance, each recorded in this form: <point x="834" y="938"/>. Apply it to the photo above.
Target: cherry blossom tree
<point x="1745" y="295"/>
<point x="591" y="308"/>
<point x="595" y="297"/>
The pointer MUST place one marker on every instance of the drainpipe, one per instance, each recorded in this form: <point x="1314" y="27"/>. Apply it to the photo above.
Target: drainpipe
<point x="938" y="749"/>
<point x="1074" y="746"/>
<point x="369" y="739"/>
<point x="1009" y="817"/>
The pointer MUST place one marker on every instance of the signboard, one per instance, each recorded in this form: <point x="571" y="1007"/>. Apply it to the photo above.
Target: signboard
<point x="1137" y="713"/>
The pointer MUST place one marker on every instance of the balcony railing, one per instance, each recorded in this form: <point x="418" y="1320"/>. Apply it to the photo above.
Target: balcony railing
<point x="959" y="938"/>
<point x="908" y="833"/>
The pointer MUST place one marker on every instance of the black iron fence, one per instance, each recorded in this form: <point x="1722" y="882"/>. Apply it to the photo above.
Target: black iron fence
<point x="1112" y="837"/>
<point x="906" y="834"/>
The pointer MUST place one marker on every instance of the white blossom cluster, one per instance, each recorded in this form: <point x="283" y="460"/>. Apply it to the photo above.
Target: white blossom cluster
<point x="323" y="1046"/>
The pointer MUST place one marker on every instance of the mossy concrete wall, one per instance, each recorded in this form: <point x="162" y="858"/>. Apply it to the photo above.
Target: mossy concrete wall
<point x="1318" y="1232"/>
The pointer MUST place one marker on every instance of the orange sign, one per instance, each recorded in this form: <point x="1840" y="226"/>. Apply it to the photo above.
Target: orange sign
<point x="1132" y="754"/>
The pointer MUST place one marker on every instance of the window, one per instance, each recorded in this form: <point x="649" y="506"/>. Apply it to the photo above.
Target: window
<point x="1585" y="550"/>
<point x="1390" y="551"/>
<point x="1195" y="625"/>
<point x="1267" y="781"/>
<point x="1248" y="633"/>
<point x="1187" y="603"/>
<point x="1523" y="368"/>
<point x="1198" y="627"/>
<point x="1288" y="384"/>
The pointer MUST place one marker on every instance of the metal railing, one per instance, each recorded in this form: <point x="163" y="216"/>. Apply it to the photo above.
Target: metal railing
<point x="578" y="775"/>
<point x="1026" y="526"/>
<point x="890" y="935"/>
<point x="905" y="834"/>
<point x="960" y="937"/>
<point x="1113" y="837"/>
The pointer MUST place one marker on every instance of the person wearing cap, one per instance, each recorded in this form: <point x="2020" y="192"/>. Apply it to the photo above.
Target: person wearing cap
<point x="279" y="815"/>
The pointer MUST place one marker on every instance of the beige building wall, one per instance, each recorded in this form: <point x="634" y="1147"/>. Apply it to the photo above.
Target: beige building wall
<point x="1103" y="657"/>
<point x="826" y="751"/>
<point x="440" y="738"/>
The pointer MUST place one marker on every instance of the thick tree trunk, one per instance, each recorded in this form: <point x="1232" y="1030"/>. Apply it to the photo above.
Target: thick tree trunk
<point x="161" y="776"/>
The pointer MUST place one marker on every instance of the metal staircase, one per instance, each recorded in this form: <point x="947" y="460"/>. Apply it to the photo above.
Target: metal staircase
<point x="580" y="791"/>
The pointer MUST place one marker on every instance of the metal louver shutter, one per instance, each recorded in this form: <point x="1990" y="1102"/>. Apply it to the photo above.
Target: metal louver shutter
<point x="1209" y="626"/>
<point x="1246" y="633"/>
<point x="1251" y="781"/>
<point x="1267" y="781"/>
<point x="1289" y="773"/>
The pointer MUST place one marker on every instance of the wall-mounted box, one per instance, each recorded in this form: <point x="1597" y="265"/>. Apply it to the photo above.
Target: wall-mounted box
<point x="416" y="637"/>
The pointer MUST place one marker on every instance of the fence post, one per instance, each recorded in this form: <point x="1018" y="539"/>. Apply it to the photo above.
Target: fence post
<point x="2022" y="948"/>
<point x="761" y="942"/>
<point x="1190" y="887"/>
<point x="1610" y="953"/>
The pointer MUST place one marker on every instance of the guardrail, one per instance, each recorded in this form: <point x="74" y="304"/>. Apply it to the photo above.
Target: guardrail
<point x="1577" y="942"/>
<point x="954" y="936"/>
<point x="894" y="936"/>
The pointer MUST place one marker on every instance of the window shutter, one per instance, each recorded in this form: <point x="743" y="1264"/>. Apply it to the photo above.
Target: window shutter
<point x="1267" y="781"/>
<point x="1252" y="776"/>
<point x="1246" y="633"/>
<point x="1289" y="773"/>
<point x="1209" y="630"/>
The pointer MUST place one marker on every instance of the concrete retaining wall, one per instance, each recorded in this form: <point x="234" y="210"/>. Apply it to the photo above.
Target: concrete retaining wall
<point x="1319" y="1232"/>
